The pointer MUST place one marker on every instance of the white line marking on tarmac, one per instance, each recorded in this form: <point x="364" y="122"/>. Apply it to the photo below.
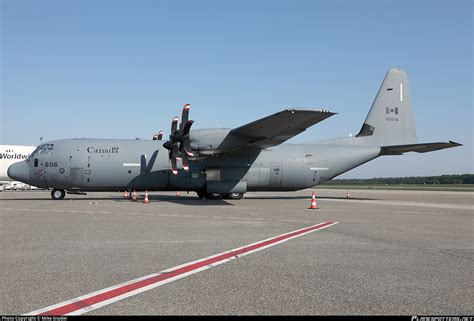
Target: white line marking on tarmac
<point x="97" y="299"/>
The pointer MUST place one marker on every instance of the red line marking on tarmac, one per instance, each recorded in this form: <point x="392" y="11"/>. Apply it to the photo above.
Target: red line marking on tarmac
<point x="121" y="291"/>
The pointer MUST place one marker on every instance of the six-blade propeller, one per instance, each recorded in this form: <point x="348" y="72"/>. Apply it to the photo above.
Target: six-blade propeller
<point x="178" y="144"/>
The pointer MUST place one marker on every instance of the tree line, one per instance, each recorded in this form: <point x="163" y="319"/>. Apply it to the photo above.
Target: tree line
<point x="443" y="179"/>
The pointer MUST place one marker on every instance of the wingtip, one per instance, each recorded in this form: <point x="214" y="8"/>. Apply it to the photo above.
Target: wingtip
<point x="455" y="143"/>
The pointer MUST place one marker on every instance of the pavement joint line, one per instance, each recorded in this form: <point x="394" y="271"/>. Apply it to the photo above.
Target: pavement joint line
<point x="100" y="298"/>
<point x="405" y="245"/>
<point x="164" y="215"/>
<point x="410" y="212"/>
<point x="408" y="204"/>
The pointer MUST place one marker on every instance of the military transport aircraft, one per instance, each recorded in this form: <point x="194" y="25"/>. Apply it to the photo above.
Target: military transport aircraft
<point x="226" y="163"/>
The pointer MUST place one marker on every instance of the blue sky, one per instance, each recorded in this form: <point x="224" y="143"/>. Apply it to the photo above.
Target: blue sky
<point x="123" y="69"/>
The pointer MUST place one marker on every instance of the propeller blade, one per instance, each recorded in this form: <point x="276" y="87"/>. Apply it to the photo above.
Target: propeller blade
<point x="187" y="148"/>
<point x="158" y="136"/>
<point x="174" y="166"/>
<point x="187" y="127"/>
<point x="174" y="125"/>
<point x="175" y="151"/>
<point x="185" y="162"/>
<point x="185" y="116"/>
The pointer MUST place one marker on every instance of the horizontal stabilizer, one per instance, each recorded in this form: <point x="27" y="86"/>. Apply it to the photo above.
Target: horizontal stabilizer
<point x="277" y="128"/>
<point x="419" y="148"/>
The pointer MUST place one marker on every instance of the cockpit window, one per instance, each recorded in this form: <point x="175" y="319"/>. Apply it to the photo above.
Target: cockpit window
<point x="43" y="149"/>
<point x="35" y="152"/>
<point x="48" y="149"/>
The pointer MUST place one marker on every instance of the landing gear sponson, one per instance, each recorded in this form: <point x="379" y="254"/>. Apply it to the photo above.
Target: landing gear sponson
<point x="219" y="196"/>
<point x="58" y="194"/>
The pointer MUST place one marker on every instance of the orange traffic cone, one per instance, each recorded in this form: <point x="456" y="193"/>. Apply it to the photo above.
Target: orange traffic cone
<point x="348" y="195"/>
<point x="146" y="198"/>
<point x="313" y="202"/>
<point x="134" y="196"/>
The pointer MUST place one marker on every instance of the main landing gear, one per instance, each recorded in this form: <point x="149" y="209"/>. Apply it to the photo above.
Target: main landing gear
<point x="58" y="194"/>
<point x="219" y="196"/>
<point x="234" y="196"/>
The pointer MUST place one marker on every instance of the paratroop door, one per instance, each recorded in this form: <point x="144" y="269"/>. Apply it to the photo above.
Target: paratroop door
<point x="76" y="176"/>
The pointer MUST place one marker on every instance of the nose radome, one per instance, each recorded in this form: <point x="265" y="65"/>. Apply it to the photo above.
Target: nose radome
<point x="19" y="172"/>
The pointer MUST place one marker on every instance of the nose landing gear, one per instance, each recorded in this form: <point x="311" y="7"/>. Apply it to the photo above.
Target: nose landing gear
<point x="58" y="194"/>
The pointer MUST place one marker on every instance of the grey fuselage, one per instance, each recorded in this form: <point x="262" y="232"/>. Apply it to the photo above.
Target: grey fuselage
<point x="115" y="164"/>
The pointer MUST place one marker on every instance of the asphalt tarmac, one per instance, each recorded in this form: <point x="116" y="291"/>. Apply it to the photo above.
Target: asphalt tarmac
<point x="392" y="252"/>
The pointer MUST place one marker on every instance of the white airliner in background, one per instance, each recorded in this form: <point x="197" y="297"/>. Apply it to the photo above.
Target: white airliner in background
<point x="10" y="154"/>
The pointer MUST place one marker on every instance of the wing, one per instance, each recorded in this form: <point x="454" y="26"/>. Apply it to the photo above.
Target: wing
<point x="419" y="148"/>
<point x="277" y="128"/>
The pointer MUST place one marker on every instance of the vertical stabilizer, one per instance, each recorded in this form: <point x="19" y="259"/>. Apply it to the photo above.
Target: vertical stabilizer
<point x="390" y="119"/>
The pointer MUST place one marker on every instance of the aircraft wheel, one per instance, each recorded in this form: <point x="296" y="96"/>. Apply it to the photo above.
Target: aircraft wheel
<point x="214" y="196"/>
<point x="58" y="194"/>
<point x="234" y="196"/>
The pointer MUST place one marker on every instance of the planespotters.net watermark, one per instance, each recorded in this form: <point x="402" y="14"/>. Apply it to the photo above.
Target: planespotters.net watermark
<point x="416" y="318"/>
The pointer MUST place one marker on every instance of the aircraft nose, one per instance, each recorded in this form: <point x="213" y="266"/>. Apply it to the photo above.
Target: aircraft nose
<point x="19" y="172"/>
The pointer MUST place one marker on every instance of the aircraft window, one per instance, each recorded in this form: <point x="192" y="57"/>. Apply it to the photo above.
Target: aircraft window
<point x="309" y="159"/>
<point x="36" y="162"/>
<point x="49" y="148"/>
<point x="45" y="149"/>
<point x="36" y="151"/>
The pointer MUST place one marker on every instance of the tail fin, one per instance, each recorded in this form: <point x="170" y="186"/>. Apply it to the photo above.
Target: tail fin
<point x="390" y="120"/>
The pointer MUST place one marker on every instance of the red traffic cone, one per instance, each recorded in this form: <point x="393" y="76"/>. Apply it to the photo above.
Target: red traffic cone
<point x="313" y="202"/>
<point x="134" y="196"/>
<point x="146" y="198"/>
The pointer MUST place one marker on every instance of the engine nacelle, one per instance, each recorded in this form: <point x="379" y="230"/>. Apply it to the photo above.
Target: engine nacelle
<point x="215" y="141"/>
